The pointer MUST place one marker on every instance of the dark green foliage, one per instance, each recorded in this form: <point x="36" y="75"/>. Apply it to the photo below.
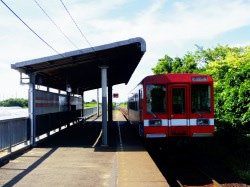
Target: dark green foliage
<point x="164" y="65"/>
<point x="186" y="64"/>
<point x="15" y="102"/>
<point x="124" y="105"/>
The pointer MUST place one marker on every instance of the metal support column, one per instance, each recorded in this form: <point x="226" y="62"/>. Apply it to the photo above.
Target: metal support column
<point x="110" y="105"/>
<point x="82" y="104"/>
<point x="98" y="109"/>
<point x="104" y="105"/>
<point x="32" y="112"/>
<point x="68" y="107"/>
<point x="68" y="101"/>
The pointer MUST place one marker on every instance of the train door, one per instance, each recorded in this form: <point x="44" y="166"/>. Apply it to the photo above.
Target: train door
<point x="178" y="110"/>
<point x="141" y="125"/>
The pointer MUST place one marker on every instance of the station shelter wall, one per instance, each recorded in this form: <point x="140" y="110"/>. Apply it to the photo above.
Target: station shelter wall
<point x="48" y="102"/>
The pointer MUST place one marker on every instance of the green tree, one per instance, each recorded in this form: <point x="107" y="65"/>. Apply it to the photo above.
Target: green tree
<point x="232" y="86"/>
<point x="164" y="65"/>
<point x="187" y="64"/>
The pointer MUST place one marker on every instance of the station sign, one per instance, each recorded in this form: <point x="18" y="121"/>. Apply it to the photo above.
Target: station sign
<point x="115" y="95"/>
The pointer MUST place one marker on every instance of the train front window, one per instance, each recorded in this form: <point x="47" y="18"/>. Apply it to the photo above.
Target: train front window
<point x="201" y="98"/>
<point x="178" y="99"/>
<point x="156" y="98"/>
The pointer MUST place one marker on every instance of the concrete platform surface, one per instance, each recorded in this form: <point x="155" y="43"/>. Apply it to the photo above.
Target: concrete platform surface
<point x="75" y="158"/>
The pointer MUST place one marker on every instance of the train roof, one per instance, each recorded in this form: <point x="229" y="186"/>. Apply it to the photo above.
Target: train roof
<point x="177" y="78"/>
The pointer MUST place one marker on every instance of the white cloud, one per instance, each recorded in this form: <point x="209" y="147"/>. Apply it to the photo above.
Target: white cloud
<point x="243" y="44"/>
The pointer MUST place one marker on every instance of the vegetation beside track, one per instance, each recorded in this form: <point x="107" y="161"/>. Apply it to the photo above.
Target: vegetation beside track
<point x="232" y="150"/>
<point x="94" y="105"/>
<point x="90" y="105"/>
<point x="123" y="105"/>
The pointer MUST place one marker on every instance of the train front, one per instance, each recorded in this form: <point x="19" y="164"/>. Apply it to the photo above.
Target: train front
<point x="177" y="105"/>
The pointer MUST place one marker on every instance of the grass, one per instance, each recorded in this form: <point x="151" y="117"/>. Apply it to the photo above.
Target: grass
<point x="94" y="105"/>
<point x="123" y="105"/>
<point x="90" y="105"/>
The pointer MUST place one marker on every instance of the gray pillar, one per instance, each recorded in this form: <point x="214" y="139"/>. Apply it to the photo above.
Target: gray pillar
<point x="68" y="107"/>
<point x="110" y="105"/>
<point x="68" y="101"/>
<point x="82" y="104"/>
<point x="104" y="105"/>
<point x="98" y="109"/>
<point x="32" y="113"/>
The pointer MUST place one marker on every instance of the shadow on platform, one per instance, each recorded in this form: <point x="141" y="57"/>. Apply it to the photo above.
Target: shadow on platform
<point x="121" y="136"/>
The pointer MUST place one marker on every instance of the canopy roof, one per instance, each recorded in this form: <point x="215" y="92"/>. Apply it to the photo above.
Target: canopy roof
<point x="81" y="68"/>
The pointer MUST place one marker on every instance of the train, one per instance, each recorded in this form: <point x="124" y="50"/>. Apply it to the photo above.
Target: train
<point x="173" y="105"/>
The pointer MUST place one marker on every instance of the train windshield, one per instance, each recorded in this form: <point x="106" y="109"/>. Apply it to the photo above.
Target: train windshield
<point x="201" y="98"/>
<point x="156" y="98"/>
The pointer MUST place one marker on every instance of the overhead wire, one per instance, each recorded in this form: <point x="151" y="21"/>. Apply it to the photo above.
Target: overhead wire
<point x="31" y="29"/>
<point x="56" y="25"/>
<point x="77" y="26"/>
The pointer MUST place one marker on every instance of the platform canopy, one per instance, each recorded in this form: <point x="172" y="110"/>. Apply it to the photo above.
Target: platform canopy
<point x="81" y="68"/>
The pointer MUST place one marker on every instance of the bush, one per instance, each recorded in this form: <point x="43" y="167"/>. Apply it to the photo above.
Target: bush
<point x="15" y="102"/>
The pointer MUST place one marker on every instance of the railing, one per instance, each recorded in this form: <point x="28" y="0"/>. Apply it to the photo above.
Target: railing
<point x="16" y="131"/>
<point x="89" y="111"/>
<point x="13" y="132"/>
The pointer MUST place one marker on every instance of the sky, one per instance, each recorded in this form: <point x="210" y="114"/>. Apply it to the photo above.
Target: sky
<point x="171" y="27"/>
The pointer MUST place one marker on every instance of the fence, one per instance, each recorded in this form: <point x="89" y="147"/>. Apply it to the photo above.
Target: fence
<point x="17" y="131"/>
<point x="89" y="111"/>
<point x="13" y="132"/>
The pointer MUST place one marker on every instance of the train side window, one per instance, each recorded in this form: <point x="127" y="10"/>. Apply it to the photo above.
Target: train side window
<point x="133" y="102"/>
<point x="201" y="98"/>
<point x="156" y="98"/>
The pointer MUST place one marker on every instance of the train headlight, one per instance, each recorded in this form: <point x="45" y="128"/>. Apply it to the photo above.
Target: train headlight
<point x="155" y="122"/>
<point x="203" y="121"/>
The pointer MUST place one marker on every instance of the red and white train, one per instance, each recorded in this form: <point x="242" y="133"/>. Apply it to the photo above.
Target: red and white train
<point x="171" y="105"/>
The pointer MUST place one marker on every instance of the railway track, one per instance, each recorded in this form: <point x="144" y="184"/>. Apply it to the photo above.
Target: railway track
<point x="184" y="173"/>
<point x="187" y="165"/>
<point x="197" y="177"/>
<point x="181" y="167"/>
<point x="123" y="111"/>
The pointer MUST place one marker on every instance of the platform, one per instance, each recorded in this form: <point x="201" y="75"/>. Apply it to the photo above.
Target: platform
<point x="75" y="158"/>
